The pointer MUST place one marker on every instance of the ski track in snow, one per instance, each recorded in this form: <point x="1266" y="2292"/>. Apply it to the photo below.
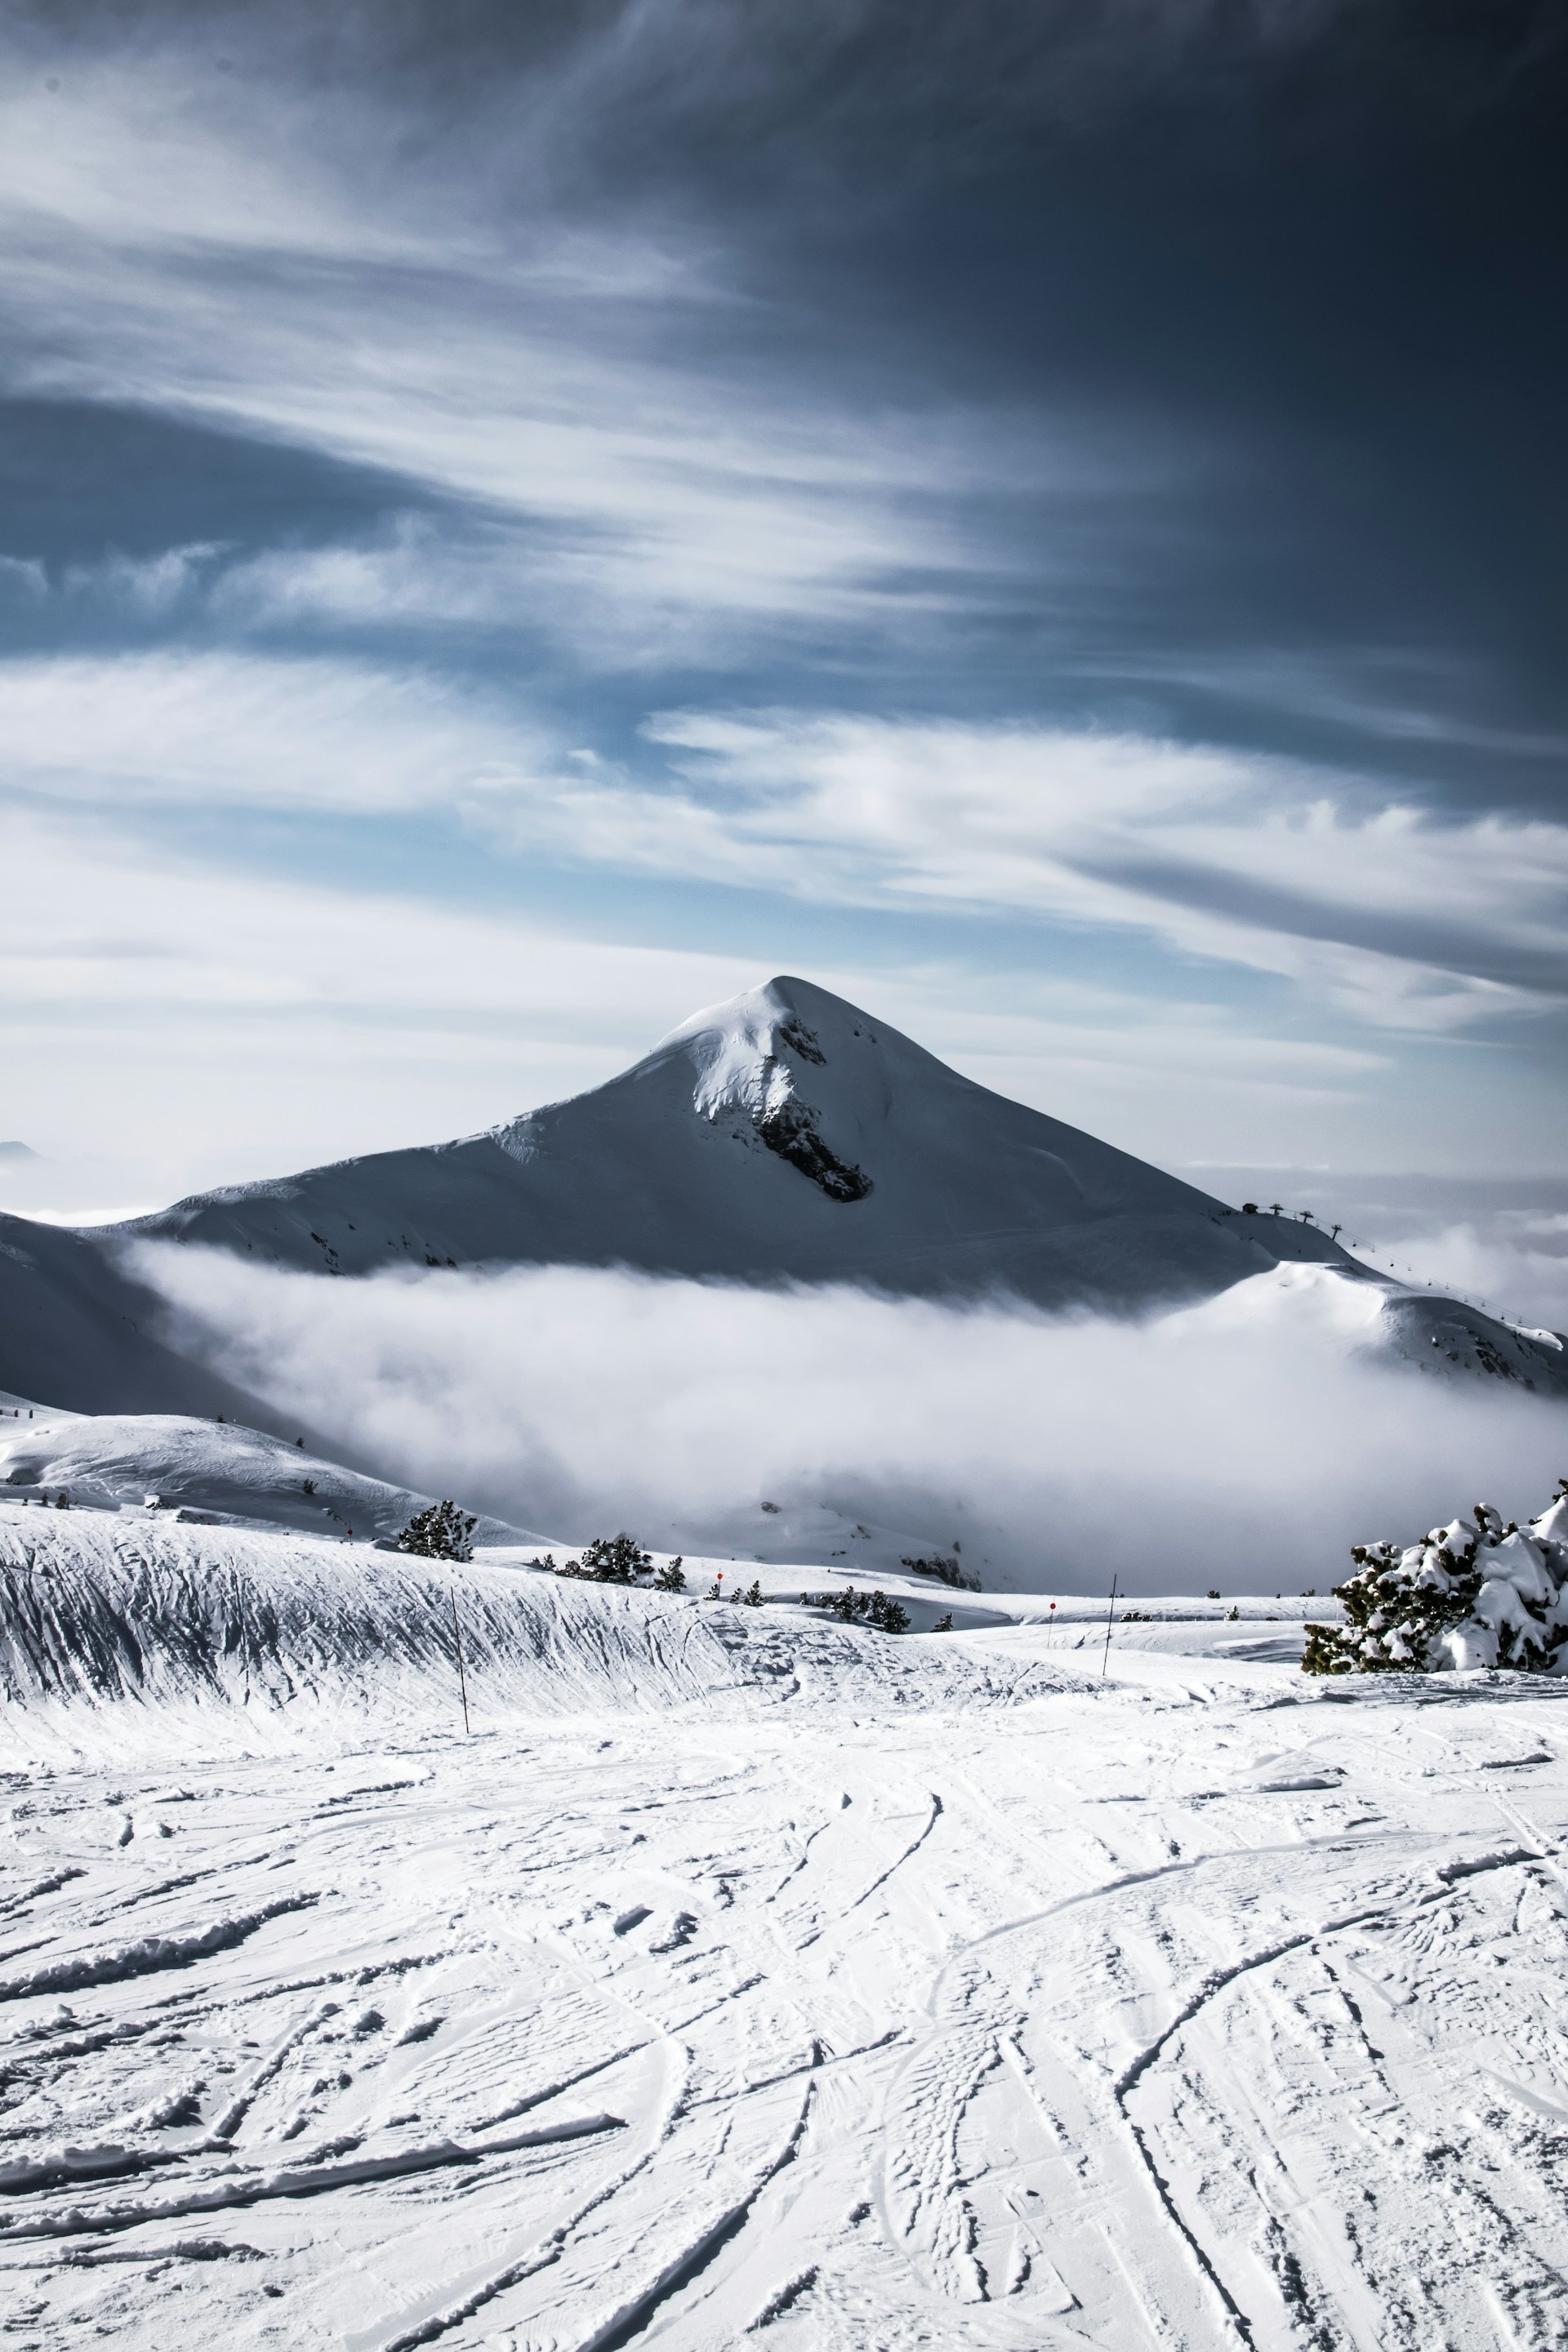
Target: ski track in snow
<point x="744" y="1978"/>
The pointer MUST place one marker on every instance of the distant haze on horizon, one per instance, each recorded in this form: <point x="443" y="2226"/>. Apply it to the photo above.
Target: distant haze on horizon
<point x="1047" y="520"/>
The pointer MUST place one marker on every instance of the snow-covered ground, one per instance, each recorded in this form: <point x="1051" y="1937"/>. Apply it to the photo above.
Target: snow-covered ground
<point x="744" y="1975"/>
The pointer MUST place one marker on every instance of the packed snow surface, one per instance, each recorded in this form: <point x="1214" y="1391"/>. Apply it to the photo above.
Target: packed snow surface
<point x="742" y="1975"/>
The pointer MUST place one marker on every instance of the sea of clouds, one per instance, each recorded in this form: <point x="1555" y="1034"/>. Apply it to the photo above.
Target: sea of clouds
<point x="1242" y="1446"/>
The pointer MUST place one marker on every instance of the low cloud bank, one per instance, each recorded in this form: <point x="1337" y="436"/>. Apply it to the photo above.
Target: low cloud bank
<point x="1242" y="1450"/>
<point x="1513" y="1265"/>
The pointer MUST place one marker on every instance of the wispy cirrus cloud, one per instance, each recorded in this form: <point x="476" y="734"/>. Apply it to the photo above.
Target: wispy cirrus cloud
<point x="1023" y="453"/>
<point x="1388" y="912"/>
<point x="562" y="385"/>
<point x="231" y="729"/>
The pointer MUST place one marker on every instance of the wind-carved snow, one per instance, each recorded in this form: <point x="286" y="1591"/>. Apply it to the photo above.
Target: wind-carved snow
<point x="744" y="1974"/>
<point x="747" y="1073"/>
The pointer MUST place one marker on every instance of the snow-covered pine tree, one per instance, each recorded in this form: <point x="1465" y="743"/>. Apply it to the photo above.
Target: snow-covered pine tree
<point x="441" y="1532"/>
<point x="671" y="1577"/>
<point x="610" y="1559"/>
<point x="1474" y="1594"/>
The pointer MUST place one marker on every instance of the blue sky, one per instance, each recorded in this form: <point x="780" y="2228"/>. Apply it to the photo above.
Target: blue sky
<point x="515" y="523"/>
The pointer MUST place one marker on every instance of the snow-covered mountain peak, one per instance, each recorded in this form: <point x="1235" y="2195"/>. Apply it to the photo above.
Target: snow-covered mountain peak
<point x="784" y="1136"/>
<point x="782" y="1016"/>
<point x="747" y="1051"/>
<point x="778" y="1058"/>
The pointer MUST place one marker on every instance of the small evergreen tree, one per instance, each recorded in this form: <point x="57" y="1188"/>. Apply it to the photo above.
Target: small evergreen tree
<point x="614" y="1559"/>
<point x="441" y="1532"/>
<point x="943" y="1624"/>
<point x="847" y="1606"/>
<point x="671" y="1577"/>
<point x="609" y="1560"/>
<point x="752" y="1596"/>
<point x="1473" y="1593"/>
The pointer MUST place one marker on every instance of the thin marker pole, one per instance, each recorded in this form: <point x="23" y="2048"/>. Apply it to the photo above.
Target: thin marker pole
<point x="462" y="1678"/>
<point x="1110" y="1622"/>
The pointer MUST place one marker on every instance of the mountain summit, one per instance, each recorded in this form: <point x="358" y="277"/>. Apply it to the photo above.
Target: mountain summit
<point x="786" y="1136"/>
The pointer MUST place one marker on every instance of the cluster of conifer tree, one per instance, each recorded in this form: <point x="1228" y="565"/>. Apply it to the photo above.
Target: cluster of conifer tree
<point x="851" y="1608"/>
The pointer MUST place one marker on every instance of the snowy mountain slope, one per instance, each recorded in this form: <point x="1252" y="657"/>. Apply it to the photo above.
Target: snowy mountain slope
<point x="1438" y="1335"/>
<point x="784" y="1136"/>
<point x="744" y="1977"/>
<point x="75" y="1329"/>
<point x="110" y="1461"/>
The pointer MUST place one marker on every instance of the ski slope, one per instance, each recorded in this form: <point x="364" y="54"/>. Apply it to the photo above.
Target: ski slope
<point x="742" y="1976"/>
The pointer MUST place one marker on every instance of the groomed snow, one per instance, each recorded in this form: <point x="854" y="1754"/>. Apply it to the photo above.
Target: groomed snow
<point x="741" y="1975"/>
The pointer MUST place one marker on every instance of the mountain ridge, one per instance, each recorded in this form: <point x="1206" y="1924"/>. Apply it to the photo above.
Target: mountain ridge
<point x="785" y="1135"/>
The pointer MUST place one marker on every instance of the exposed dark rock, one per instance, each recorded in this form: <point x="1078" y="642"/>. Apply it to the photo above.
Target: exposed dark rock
<point x="791" y="1131"/>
